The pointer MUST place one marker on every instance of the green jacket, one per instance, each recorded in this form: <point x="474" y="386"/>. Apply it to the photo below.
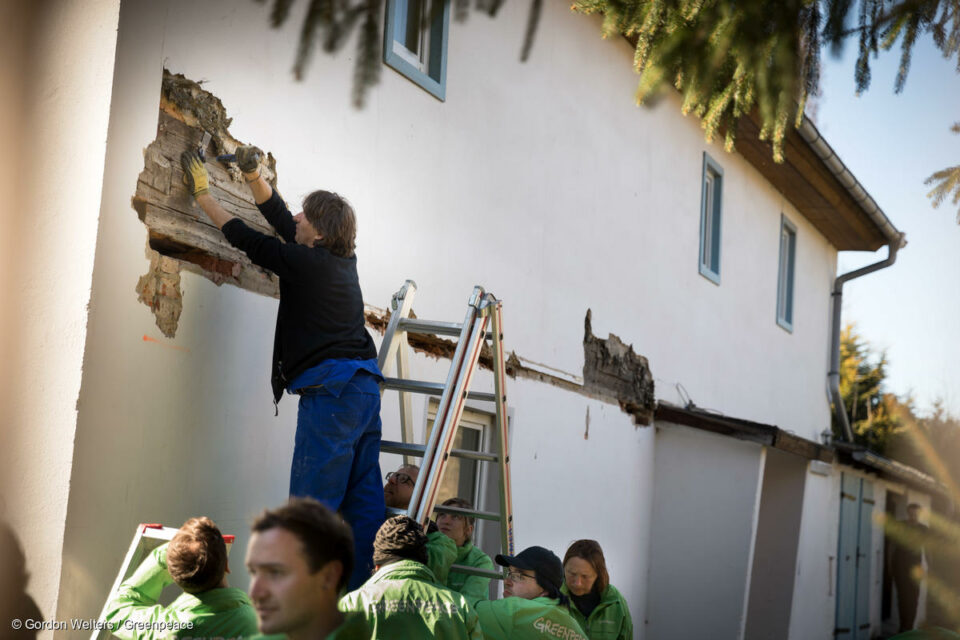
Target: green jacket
<point x="402" y="601"/>
<point x="354" y="627"/>
<point x="520" y="619"/>
<point x="472" y="587"/>
<point x="609" y="621"/>
<point x="133" y="612"/>
<point x="441" y="552"/>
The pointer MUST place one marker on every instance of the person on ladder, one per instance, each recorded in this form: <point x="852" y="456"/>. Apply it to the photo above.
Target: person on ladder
<point x="322" y="350"/>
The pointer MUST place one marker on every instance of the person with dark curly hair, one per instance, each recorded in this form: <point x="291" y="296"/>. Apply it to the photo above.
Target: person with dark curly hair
<point x="196" y="561"/>
<point x="403" y="598"/>
<point x="321" y="350"/>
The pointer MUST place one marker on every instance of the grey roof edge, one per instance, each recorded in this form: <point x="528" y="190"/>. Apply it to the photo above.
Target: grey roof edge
<point x="893" y="468"/>
<point x="811" y="135"/>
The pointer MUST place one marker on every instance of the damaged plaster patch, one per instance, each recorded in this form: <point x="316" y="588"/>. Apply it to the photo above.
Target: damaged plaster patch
<point x="616" y="373"/>
<point x="177" y="229"/>
<point x="159" y="289"/>
<point x="610" y="366"/>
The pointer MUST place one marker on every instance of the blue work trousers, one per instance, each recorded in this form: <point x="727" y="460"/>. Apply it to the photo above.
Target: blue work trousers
<point x="336" y="459"/>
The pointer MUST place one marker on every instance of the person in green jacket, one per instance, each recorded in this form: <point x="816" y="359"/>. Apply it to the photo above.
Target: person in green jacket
<point x="532" y="607"/>
<point x="300" y="557"/>
<point x="597" y="605"/>
<point x="459" y="528"/>
<point x="196" y="560"/>
<point x="402" y="599"/>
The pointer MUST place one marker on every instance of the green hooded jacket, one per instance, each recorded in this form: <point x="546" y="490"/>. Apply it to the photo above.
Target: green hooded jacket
<point x="441" y="552"/>
<point x="402" y="600"/>
<point x="133" y="612"/>
<point x="609" y="621"/>
<point x="521" y="619"/>
<point x="472" y="587"/>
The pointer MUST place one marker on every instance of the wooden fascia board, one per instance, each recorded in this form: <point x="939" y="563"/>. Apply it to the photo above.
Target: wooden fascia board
<point x="765" y="434"/>
<point x="811" y="187"/>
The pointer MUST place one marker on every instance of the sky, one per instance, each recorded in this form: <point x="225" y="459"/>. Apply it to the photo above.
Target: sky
<point x="892" y="143"/>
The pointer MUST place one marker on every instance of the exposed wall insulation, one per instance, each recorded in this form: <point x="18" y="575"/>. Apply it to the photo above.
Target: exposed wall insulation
<point x="177" y="228"/>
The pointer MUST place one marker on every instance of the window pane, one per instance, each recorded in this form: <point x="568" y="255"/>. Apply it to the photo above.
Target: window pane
<point x="788" y="243"/>
<point x="715" y="224"/>
<point x="708" y="221"/>
<point x="411" y="31"/>
<point x="460" y="476"/>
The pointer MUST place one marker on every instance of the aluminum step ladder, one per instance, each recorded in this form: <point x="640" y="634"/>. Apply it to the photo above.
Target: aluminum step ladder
<point x="481" y="325"/>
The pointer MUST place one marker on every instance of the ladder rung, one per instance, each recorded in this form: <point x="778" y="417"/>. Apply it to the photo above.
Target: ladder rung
<point x="431" y="388"/>
<point x="415" y="325"/>
<point x="476" y="571"/>
<point x="391" y="446"/>
<point x="483" y="515"/>
<point x="433" y="327"/>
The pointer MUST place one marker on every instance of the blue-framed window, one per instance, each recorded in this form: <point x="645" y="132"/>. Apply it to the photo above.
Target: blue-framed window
<point x="711" y="214"/>
<point x="785" y="274"/>
<point x="415" y="42"/>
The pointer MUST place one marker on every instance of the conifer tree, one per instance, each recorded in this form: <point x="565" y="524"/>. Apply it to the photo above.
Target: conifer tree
<point x="873" y="413"/>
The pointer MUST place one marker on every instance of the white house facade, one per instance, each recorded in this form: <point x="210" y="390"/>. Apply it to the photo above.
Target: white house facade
<point x="541" y="181"/>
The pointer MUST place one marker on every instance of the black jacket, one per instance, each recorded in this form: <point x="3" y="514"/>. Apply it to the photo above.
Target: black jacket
<point x="321" y="306"/>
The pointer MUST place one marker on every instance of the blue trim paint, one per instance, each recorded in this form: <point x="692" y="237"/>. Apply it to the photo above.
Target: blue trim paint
<point x="435" y="80"/>
<point x="788" y="262"/>
<point x="712" y="235"/>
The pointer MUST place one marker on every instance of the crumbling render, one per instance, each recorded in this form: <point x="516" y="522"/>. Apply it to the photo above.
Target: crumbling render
<point x="177" y="229"/>
<point x="159" y="289"/>
<point x="611" y="367"/>
<point x="612" y="372"/>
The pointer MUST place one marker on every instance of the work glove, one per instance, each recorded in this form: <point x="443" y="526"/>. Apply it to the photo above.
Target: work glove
<point x="248" y="158"/>
<point x="194" y="173"/>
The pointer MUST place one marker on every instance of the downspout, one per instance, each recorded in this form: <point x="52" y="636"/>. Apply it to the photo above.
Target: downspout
<point x="837" y="298"/>
<point x="895" y="241"/>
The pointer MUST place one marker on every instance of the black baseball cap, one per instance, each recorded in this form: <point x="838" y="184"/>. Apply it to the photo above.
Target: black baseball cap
<point x="543" y="562"/>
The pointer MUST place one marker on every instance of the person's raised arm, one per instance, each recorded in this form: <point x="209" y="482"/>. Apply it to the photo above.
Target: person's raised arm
<point x="248" y="159"/>
<point x="198" y="181"/>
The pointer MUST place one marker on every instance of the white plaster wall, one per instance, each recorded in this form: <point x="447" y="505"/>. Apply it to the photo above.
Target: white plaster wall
<point x="703" y="524"/>
<point x="579" y="200"/>
<point x="814" y="599"/>
<point x="56" y="94"/>
<point x="601" y="207"/>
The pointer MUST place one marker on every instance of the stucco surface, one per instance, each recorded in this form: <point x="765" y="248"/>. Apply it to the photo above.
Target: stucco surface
<point x="60" y="70"/>
<point x="703" y="521"/>
<point x="543" y="182"/>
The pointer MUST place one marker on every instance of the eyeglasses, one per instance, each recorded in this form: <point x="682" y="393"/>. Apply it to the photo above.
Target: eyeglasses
<point x="517" y="576"/>
<point x="399" y="478"/>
